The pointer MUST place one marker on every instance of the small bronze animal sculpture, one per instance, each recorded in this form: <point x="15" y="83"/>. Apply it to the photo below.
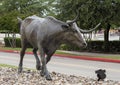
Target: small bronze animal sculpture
<point x="101" y="74"/>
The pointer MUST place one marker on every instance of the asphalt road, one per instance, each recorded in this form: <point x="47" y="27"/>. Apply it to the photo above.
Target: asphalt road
<point x="66" y="65"/>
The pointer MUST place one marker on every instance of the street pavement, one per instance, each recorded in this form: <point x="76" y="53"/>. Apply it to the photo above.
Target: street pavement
<point x="65" y="65"/>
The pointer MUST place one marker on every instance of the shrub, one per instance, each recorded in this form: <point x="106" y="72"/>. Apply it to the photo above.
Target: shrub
<point x="94" y="46"/>
<point x="17" y="43"/>
<point x="9" y="40"/>
<point x="69" y="47"/>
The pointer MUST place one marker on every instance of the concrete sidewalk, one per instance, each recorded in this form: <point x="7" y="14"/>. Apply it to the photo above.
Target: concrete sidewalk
<point x="80" y="55"/>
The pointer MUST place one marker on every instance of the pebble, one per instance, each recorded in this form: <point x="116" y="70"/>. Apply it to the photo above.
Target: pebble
<point x="9" y="76"/>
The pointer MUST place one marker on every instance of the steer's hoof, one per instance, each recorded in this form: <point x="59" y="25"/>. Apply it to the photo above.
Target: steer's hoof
<point x="48" y="77"/>
<point x="38" y="67"/>
<point x="19" y="70"/>
<point x="42" y="73"/>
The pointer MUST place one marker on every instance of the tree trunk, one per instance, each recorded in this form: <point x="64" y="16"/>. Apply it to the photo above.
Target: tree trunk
<point x="106" y="38"/>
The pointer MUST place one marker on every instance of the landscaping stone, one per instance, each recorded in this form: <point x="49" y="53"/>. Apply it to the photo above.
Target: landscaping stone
<point x="9" y="76"/>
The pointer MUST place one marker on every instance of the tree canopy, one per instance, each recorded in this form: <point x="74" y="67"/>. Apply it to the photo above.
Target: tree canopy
<point x="11" y="9"/>
<point x="91" y="11"/>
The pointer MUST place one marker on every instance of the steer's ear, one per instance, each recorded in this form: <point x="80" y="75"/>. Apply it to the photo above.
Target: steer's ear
<point x="65" y="27"/>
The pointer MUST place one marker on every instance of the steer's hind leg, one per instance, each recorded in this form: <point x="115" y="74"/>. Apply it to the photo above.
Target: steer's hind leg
<point x="22" y="53"/>
<point x="49" y="55"/>
<point x="38" y="64"/>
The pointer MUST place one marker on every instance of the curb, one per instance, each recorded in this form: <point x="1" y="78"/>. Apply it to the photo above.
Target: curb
<point x="74" y="57"/>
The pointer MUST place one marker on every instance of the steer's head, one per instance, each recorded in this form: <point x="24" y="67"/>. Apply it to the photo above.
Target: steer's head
<point x="73" y="35"/>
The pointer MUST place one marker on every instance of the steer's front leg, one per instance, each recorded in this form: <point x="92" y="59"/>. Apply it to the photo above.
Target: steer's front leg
<point x="44" y="71"/>
<point x="38" y="63"/>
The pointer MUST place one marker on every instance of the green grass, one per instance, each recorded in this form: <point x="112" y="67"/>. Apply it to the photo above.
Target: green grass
<point x="5" y="65"/>
<point x="12" y="66"/>
<point x="110" y="57"/>
<point x="59" y="52"/>
<point x="15" y="49"/>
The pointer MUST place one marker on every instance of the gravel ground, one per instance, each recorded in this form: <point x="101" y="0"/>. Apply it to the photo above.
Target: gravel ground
<point x="9" y="76"/>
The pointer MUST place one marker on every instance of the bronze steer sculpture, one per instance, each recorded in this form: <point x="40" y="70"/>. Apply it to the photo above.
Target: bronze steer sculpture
<point x="46" y="35"/>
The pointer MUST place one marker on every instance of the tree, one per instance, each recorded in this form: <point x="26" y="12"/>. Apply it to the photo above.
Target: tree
<point x="10" y="9"/>
<point x="92" y="12"/>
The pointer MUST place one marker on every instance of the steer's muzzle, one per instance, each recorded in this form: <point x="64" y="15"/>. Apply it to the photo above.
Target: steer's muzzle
<point x="84" y="45"/>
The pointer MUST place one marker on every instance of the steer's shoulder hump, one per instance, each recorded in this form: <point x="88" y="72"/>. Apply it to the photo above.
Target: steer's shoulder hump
<point x="34" y="17"/>
<point x="53" y="19"/>
<point x="31" y="18"/>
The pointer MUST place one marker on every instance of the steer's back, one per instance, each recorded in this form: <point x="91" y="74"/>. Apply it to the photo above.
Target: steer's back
<point x="36" y="29"/>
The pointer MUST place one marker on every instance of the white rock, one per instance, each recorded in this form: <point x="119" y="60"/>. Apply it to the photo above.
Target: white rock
<point x="9" y="76"/>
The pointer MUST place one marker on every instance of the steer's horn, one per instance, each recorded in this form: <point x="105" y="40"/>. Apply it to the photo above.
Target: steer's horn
<point x="88" y="31"/>
<point x="76" y="18"/>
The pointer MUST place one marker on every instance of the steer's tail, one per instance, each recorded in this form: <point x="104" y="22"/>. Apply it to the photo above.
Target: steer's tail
<point x="19" y="22"/>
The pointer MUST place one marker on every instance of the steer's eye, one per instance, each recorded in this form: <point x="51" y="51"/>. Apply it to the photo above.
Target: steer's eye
<point x="64" y="26"/>
<point x="75" y="31"/>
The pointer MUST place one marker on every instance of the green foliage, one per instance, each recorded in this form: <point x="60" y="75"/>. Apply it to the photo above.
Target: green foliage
<point x="9" y="22"/>
<point x="100" y="46"/>
<point x="11" y="9"/>
<point x="95" y="45"/>
<point x="91" y="11"/>
<point x="69" y="47"/>
<point x="8" y="40"/>
<point x="18" y="42"/>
